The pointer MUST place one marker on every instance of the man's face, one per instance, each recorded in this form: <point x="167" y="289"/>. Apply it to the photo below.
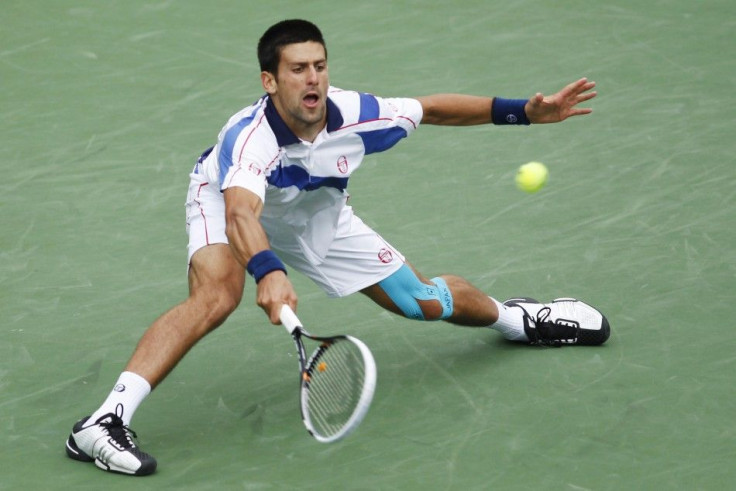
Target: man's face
<point x="299" y="89"/>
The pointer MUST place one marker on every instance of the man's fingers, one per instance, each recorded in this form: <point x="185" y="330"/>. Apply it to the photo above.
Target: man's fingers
<point x="275" y="313"/>
<point x="581" y="111"/>
<point x="584" y="87"/>
<point x="576" y="86"/>
<point x="587" y="96"/>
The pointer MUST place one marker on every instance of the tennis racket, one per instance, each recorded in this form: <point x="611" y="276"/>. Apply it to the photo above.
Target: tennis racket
<point x="337" y="381"/>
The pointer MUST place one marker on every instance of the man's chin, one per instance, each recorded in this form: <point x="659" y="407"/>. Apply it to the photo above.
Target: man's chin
<point x="313" y="116"/>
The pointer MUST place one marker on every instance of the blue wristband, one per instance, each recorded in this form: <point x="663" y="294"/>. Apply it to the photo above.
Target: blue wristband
<point x="263" y="263"/>
<point x="509" y="111"/>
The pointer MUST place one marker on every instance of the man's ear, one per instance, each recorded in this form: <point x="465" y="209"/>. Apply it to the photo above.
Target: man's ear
<point x="269" y="82"/>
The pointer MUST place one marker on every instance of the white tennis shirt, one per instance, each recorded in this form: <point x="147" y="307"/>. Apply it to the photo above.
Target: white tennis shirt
<point x="303" y="184"/>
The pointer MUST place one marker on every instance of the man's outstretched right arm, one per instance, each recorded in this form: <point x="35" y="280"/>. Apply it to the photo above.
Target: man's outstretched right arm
<point x="250" y="246"/>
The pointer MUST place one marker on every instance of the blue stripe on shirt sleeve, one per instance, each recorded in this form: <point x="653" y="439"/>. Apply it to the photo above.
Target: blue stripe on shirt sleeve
<point x="380" y="140"/>
<point x="377" y="140"/>
<point x="369" y="108"/>
<point x="225" y="157"/>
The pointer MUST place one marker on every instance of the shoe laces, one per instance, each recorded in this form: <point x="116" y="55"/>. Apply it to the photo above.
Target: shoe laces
<point x="118" y="431"/>
<point x="552" y="332"/>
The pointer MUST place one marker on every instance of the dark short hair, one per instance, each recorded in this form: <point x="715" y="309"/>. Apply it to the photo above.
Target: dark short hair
<point x="281" y="34"/>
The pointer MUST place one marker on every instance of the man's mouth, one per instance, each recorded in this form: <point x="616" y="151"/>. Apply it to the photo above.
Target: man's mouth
<point x="311" y="100"/>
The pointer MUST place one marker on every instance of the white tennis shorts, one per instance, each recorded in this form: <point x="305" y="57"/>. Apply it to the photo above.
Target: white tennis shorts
<point x="357" y="258"/>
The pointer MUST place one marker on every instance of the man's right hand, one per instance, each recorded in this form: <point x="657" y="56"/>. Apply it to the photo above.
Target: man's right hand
<point x="273" y="291"/>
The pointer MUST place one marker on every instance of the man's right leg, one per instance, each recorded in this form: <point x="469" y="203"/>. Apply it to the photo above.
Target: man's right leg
<point x="216" y="283"/>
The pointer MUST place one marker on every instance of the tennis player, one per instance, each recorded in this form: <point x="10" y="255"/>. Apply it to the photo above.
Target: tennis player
<point x="272" y="192"/>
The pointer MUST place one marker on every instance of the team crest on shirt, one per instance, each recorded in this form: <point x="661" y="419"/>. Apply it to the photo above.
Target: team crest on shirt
<point x="385" y="256"/>
<point x="342" y="164"/>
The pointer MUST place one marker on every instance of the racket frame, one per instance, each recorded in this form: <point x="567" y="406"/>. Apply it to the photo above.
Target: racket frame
<point x="294" y="327"/>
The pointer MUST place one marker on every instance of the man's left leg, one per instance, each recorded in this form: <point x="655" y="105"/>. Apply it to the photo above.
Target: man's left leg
<point x="453" y="299"/>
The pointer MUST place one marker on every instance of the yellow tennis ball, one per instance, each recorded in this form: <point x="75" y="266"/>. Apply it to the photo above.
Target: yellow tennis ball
<point x="532" y="176"/>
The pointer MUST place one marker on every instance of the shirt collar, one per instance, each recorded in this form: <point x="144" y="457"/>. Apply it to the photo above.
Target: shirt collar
<point x="284" y="135"/>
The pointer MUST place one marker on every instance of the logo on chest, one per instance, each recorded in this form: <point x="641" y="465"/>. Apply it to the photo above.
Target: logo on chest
<point x="342" y="164"/>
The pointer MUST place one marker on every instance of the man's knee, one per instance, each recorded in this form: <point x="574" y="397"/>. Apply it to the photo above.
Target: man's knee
<point x="219" y="306"/>
<point x="216" y="282"/>
<point x="417" y="300"/>
<point x="214" y="306"/>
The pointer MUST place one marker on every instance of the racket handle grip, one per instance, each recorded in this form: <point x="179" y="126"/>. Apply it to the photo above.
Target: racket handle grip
<point x="289" y="319"/>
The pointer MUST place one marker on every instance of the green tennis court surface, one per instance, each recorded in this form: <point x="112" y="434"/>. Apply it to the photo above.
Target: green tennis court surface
<point x="105" y="106"/>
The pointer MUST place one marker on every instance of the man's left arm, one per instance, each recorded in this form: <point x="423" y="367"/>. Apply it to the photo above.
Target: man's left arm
<point x="466" y="110"/>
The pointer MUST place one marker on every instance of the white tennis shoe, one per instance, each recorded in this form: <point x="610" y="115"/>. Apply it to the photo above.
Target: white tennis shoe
<point x="109" y="444"/>
<point x="562" y="321"/>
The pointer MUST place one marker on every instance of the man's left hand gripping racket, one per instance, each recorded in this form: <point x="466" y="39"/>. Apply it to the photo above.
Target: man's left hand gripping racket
<point x="337" y="381"/>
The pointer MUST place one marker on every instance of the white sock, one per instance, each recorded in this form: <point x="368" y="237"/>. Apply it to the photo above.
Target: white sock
<point x="510" y="322"/>
<point x="125" y="397"/>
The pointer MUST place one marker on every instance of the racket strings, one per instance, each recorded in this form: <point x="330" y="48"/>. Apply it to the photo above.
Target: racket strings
<point x="338" y="382"/>
<point x="328" y="413"/>
<point x="337" y="374"/>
